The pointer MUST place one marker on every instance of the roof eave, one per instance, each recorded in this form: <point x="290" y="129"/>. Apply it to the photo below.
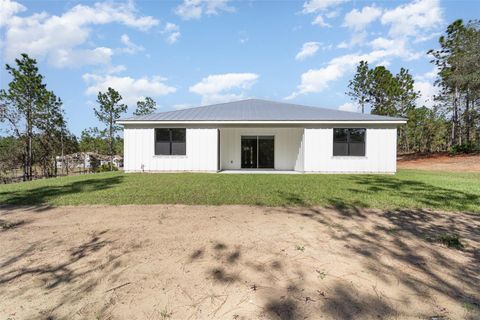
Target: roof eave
<point x="393" y="121"/>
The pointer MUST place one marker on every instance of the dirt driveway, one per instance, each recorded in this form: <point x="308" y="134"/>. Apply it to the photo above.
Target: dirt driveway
<point x="441" y="162"/>
<point x="236" y="262"/>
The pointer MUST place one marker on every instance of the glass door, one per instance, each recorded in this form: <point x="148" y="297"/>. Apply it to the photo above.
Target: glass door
<point x="249" y="152"/>
<point x="266" y="152"/>
<point x="258" y="152"/>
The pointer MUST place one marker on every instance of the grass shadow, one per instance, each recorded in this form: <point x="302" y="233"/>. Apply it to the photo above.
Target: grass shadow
<point x="41" y="196"/>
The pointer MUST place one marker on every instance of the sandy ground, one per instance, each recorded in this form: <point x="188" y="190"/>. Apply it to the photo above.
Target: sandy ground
<point x="236" y="262"/>
<point x="442" y="162"/>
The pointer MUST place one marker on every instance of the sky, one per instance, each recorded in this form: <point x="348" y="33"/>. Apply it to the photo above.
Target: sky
<point x="198" y="52"/>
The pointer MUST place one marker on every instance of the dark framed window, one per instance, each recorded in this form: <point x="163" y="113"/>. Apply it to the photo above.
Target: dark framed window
<point x="170" y="141"/>
<point x="349" y="142"/>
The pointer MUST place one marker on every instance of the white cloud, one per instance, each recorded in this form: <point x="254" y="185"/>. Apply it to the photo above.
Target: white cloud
<point x="397" y="47"/>
<point x="358" y="20"/>
<point x="181" y="106"/>
<point x="319" y="21"/>
<point x="172" y="32"/>
<point x="413" y="19"/>
<point x="357" y="38"/>
<point x="79" y="57"/>
<point x="131" y="89"/>
<point x="8" y="9"/>
<point x="317" y="80"/>
<point x="348" y="106"/>
<point x="321" y="7"/>
<point x="308" y="50"/>
<point x="424" y="84"/>
<point x="194" y="9"/>
<point x="332" y="14"/>
<point x="427" y="93"/>
<point x="114" y="69"/>
<point x="130" y="47"/>
<point x="217" y="88"/>
<point x="51" y="37"/>
<point x="312" y="6"/>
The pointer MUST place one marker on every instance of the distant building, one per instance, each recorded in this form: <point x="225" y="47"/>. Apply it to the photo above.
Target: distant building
<point x="86" y="161"/>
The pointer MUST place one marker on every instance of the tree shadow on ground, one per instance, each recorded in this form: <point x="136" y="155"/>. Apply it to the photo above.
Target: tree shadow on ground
<point x="75" y="273"/>
<point x="6" y="225"/>
<point x="40" y="196"/>
<point x="437" y="272"/>
<point x="429" y="196"/>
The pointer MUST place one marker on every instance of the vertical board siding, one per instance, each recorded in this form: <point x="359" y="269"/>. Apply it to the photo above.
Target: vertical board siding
<point x="201" y="151"/>
<point x="302" y="149"/>
<point x="380" y="151"/>
<point x="288" y="155"/>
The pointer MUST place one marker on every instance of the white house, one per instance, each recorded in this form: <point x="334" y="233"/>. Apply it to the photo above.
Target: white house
<point x="259" y="135"/>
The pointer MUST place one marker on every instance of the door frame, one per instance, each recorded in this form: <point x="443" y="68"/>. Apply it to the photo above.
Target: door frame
<point x="257" y="135"/>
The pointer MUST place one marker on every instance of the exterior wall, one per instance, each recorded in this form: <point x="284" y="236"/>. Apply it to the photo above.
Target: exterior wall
<point x="380" y="150"/>
<point x="307" y="149"/>
<point x="201" y="153"/>
<point x="288" y="146"/>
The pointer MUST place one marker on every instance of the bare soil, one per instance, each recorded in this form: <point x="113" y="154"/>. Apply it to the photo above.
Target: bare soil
<point x="237" y="262"/>
<point x="441" y="162"/>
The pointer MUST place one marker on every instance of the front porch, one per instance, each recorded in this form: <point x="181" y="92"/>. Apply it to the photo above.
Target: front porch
<point x="261" y="150"/>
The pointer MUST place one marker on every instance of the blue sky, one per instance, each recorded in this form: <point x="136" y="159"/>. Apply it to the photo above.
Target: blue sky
<point x="194" y="52"/>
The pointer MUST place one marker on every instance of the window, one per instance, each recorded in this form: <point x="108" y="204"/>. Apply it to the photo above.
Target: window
<point x="170" y="141"/>
<point x="349" y="142"/>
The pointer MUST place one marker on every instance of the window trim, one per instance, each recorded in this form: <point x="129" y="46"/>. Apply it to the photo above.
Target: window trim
<point x="170" y="143"/>
<point x="348" y="143"/>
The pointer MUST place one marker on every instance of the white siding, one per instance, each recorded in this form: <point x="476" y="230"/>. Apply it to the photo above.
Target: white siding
<point x="201" y="153"/>
<point x="380" y="153"/>
<point x="302" y="149"/>
<point x="288" y="146"/>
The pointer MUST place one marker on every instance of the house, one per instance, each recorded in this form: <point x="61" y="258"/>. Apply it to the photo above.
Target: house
<point x="86" y="161"/>
<point x="259" y="135"/>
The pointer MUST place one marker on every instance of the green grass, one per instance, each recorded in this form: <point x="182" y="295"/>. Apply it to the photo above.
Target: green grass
<point x="407" y="189"/>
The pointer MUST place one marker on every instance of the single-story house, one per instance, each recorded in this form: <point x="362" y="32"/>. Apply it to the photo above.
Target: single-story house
<point x="259" y="135"/>
<point x="86" y="160"/>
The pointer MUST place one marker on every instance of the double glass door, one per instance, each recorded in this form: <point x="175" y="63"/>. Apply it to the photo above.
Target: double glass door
<point x="258" y="152"/>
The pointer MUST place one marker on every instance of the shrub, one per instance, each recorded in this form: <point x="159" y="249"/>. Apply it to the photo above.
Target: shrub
<point x="462" y="148"/>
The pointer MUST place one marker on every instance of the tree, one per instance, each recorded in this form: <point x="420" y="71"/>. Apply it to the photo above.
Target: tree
<point x="21" y="105"/>
<point x="391" y="95"/>
<point x="93" y="140"/>
<point x="110" y="110"/>
<point x="458" y="61"/>
<point x="11" y="154"/>
<point x="52" y="126"/>
<point x="384" y="91"/>
<point x="360" y="85"/>
<point x="405" y="103"/>
<point x="145" y="107"/>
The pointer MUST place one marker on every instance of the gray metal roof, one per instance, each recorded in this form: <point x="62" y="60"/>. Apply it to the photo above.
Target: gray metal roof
<point x="259" y="110"/>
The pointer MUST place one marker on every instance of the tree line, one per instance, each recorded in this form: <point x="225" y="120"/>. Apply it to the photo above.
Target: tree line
<point x="452" y="123"/>
<point x="37" y="128"/>
<point x="38" y="132"/>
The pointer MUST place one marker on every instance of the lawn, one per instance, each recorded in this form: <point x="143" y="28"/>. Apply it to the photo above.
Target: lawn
<point x="407" y="189"/>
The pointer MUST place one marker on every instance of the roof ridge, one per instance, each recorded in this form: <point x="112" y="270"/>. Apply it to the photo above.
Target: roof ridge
<point x="208" y="105"/>
<point x="273" y="110"/>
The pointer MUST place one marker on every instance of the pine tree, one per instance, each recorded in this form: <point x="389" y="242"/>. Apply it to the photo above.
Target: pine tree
<point x="21" y="105"/>
<point x="110" y="110"/>
<point x="145" y="107"/>
<point x="360" y="85"/>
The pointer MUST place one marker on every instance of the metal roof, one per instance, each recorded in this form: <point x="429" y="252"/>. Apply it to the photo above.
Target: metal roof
<point x="259" y="110"/>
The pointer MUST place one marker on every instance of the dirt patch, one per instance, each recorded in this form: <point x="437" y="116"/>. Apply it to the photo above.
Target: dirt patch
<point x="440" y="162"/>
<point x="237" y="262"/>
